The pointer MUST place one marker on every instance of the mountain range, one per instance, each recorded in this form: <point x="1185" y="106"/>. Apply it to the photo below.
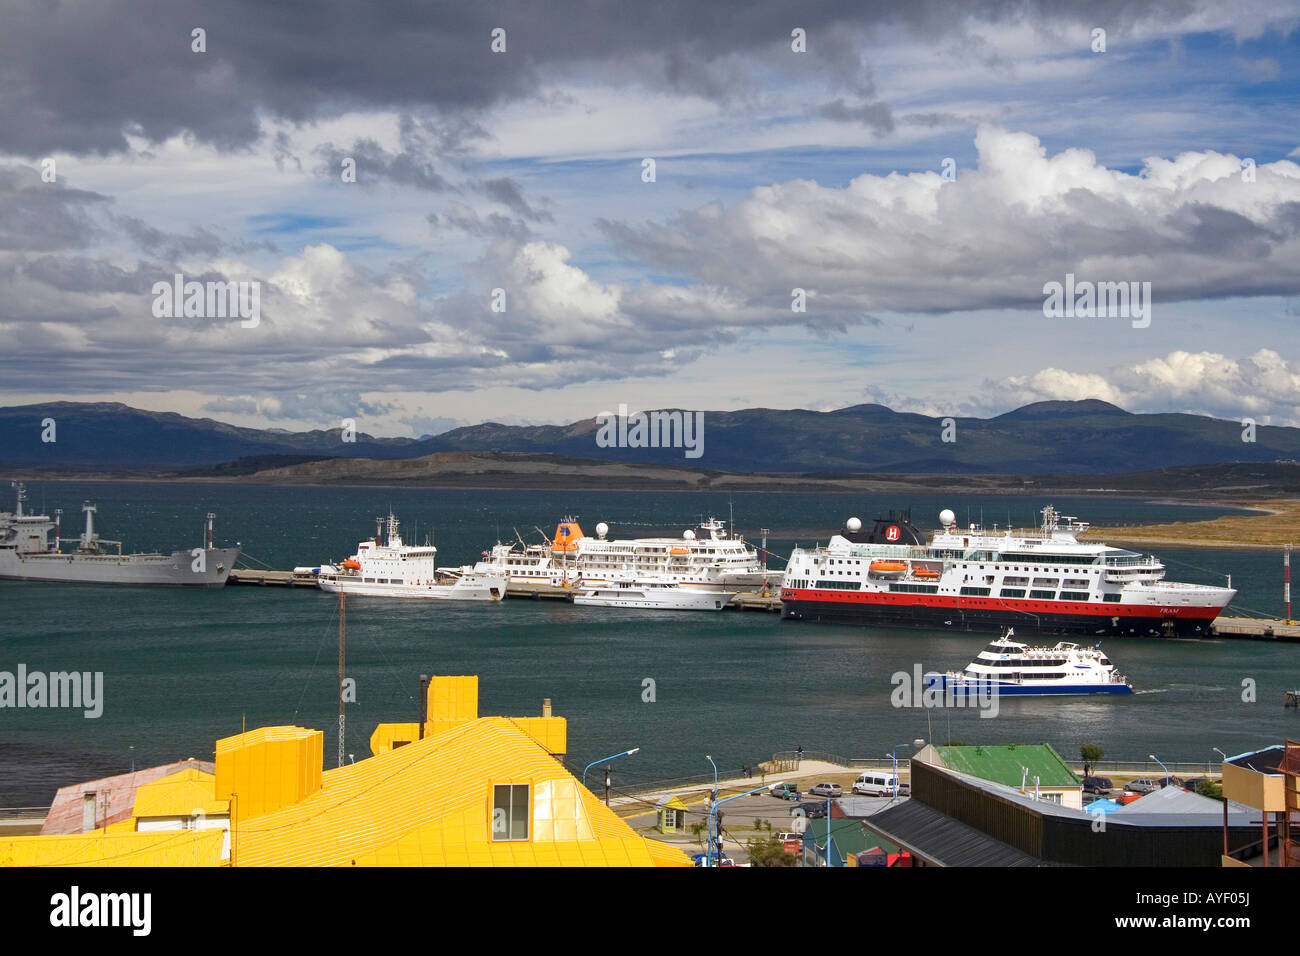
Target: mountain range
<point x="1080" y="437"/>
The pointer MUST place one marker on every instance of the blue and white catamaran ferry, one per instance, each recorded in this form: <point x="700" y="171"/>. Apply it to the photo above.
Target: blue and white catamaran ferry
<point x="1008" y="668"/>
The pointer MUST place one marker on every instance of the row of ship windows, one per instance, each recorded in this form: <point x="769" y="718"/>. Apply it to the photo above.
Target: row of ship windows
<point x="1112" y="597"/>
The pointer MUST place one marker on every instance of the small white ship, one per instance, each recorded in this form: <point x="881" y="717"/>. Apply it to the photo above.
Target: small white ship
<point x="650" y="595"/>
<point x="27" y="553"/>
<point x="385" y="567"/>
<point x="1009" y="668"/>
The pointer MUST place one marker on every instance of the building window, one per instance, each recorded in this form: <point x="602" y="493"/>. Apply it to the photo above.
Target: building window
<point x="510" y="811"/>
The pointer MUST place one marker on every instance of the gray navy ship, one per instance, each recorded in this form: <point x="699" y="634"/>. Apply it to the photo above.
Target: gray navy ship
<point x="28" y="554"/>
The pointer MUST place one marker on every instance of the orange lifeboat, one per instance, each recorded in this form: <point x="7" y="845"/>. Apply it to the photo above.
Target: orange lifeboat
<point x="887" y="567"/>
<point x="679" y="550"/>
<point x="351" y="564"/>
<point x="926" y="573"/>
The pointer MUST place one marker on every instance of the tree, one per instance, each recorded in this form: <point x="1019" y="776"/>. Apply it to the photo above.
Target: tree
<point x="769" y="852"/>
<point x="1209" y="788"/>
<point x="1090" y="754"/>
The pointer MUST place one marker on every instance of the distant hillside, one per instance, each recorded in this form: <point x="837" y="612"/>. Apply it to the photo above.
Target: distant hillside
<point x="114" y="435"/>
<point x="1061" y="438"/>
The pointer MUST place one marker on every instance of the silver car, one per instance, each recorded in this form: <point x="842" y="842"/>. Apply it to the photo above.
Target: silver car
<point x="826" y="789"/>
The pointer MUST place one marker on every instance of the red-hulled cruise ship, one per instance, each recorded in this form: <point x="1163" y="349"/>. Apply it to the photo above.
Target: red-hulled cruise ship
<point x="971" y="579"/>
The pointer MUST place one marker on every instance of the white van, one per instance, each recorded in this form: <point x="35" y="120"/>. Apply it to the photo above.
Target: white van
<point x="876" y="783"/>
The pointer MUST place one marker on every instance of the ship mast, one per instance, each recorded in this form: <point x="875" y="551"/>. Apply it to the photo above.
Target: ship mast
<point x="343" y="653"/>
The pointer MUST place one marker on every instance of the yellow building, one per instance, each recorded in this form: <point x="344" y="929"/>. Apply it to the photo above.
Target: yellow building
<point x="468" y="791"/>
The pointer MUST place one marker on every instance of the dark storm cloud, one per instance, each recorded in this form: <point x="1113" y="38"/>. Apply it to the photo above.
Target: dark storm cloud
<point x="77" y="77"/>
<point x="507" y="192"/>
<point x="76" y="274"/>
<point x="462" y="218"/>
<point x="875" y="115"/>
<point x="375" y="164"/>
<point x="37" y="216"/>
<point x="171" y="245"/>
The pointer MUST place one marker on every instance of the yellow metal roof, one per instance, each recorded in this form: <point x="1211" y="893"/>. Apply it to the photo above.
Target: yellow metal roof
<point x="159" y="848"/>
<point x="182" y="794"/>
<point x="429" y="803"/>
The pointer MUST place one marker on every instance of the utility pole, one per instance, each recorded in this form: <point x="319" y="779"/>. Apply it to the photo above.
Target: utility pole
<point x="1286" y="581"/>
<point x="343" y="653"/>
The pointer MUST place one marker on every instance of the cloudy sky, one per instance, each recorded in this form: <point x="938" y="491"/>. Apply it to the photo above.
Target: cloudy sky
<point x="919" y="170"/>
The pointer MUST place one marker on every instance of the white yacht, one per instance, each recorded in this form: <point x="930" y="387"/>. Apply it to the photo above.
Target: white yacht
<point x="652" y="595"/>
<point x="385" y="567"/>
<point x="1009" y="668"/>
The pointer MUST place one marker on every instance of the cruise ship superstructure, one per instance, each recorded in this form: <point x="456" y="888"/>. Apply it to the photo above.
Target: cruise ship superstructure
<point x="1049" y="581"/>
<point x="32" y="550"/>
<point x="711" y="560"/>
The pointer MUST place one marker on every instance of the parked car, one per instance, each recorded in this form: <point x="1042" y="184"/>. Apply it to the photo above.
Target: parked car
<point x="786" y="791"/>
<point x="1191" y="783"/>
<point x="826" y="789"/>
<point x="1143" y="785"/>
<point x="1101" y="785"/>
<point x="813" y="811"/>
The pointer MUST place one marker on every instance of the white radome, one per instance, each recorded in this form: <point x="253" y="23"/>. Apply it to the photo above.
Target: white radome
<point x="602" y="529"/>
<point x="688" y="534"/>
<point x="854" y="524"/>
<point x="946" y="517"/>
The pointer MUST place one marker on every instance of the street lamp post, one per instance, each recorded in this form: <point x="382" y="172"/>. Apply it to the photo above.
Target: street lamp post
<point x="605" y="760"/>
<point x="713" y="813"/>
<point x="893" y="755"/>
<point x="1162" y="767"/>
<point x="714" y="798"/>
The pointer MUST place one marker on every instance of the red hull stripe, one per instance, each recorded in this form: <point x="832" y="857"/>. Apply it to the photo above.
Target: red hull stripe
<point x="1093" y="608"/>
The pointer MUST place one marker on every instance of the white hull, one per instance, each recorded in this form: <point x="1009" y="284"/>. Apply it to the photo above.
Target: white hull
<point x="140" y="570"/>
<point x="661" y="598"/>
<point x="468" y="588"/>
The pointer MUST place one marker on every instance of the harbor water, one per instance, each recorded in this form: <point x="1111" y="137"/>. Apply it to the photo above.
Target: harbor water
<point x="184" y="667"/>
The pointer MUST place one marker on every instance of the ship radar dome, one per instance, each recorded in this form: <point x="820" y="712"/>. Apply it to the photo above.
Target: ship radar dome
<point x="688" y="534"/>
<point x="854" y="524"/>
<point x="602" y="529"/>
<point x="946" y="517"/>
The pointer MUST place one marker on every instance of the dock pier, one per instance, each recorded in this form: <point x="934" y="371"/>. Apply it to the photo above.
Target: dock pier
<point x="1255" y="628"/>
<point x="745" y="601"/>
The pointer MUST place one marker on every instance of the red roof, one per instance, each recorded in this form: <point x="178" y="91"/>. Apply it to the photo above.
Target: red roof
<point x="114" y="796"/>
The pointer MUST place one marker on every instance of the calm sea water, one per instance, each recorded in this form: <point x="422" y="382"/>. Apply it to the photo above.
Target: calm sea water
<point x="182" y="668"/>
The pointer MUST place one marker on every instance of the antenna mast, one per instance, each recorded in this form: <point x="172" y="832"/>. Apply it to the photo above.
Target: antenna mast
<point x="343" y="653"/>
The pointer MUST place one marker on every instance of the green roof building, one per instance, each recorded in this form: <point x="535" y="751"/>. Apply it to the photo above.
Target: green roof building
<point x="1033" y="769"/>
